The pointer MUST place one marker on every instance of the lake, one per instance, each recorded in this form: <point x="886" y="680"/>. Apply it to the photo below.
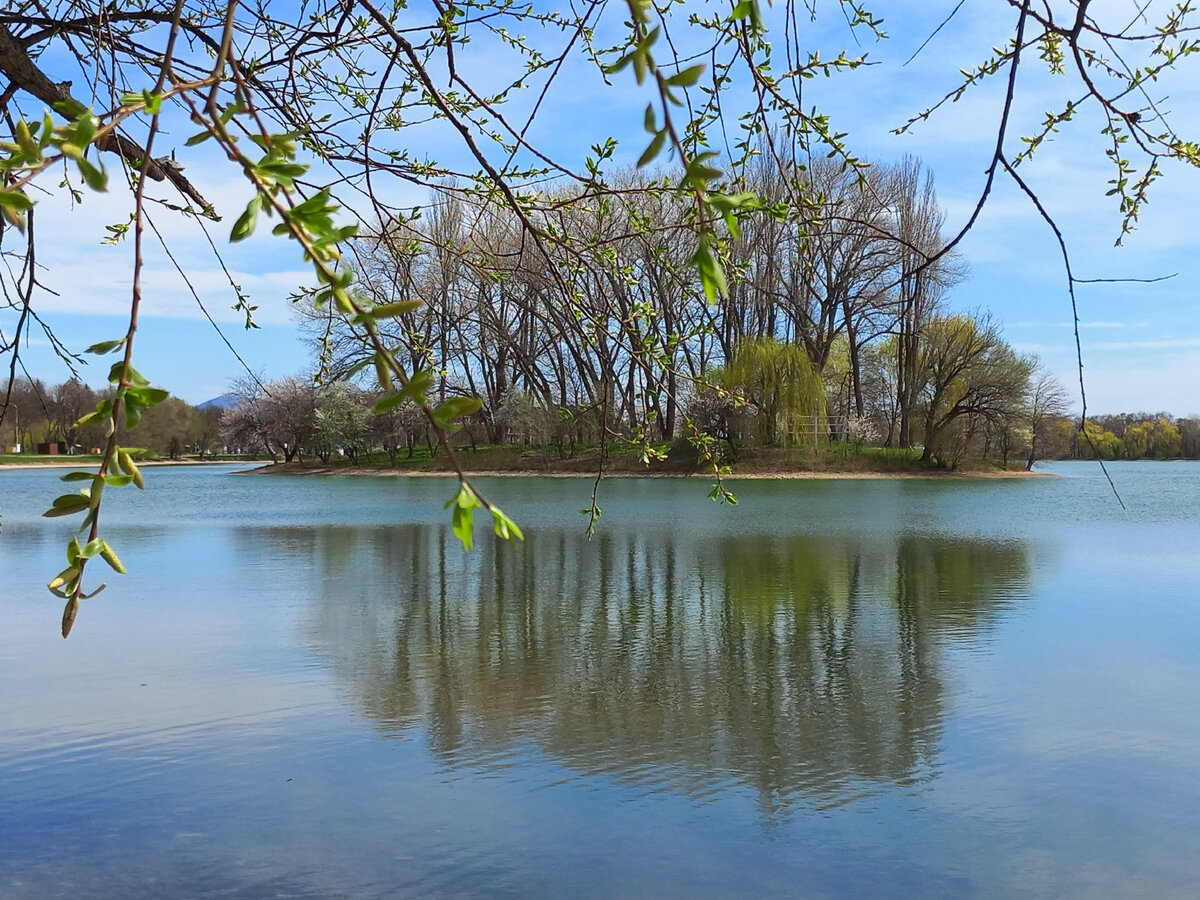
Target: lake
<point x="901" y="688"/>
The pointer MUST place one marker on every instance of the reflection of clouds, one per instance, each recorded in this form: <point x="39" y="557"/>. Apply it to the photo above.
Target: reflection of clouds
<point x="803" y="667"/>
<point x="175" y="667"/>
<point x="165" y="657"/>
<point x="1050" y="854"/>
<point x="1135" y="710"/>
<point x="127" y="715"/>
<point x="1037" y="872"/>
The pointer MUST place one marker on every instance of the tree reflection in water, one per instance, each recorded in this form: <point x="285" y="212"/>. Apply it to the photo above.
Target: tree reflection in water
<point x="805" y="667"/>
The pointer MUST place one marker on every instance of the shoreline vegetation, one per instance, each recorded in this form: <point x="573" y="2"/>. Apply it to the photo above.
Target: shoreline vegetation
<point x="293" y="468"/>
<point x="757" y="464"/>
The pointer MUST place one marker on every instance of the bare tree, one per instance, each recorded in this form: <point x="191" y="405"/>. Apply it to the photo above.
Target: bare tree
<point x="1047" y="404"/>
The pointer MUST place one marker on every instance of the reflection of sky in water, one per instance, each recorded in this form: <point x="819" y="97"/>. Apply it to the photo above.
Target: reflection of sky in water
<point x="664" y="711"/>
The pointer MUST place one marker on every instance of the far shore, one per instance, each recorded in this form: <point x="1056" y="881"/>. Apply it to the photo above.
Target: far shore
<point x="831" y="475"/>
<point x="93" y="463"/>
<point x="266" y="467"/>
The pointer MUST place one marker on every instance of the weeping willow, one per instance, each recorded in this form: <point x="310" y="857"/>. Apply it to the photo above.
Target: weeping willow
<point x="784" y="391"/>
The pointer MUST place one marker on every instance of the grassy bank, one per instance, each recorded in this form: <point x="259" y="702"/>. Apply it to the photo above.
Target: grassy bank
<point x="837" y="461"/>
<point x="36" y="459"/>
<point x="90" y="461"/>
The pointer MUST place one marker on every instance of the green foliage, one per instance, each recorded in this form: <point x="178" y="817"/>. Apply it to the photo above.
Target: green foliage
<point x="1140" y="438"/>
<point x="463" y="506"/>
<point x="131" y="396"/>
<point x="38" y="145"/>
<point x="781" y="388"/>
<point x="972" y="378"/>
<point x="1097" y="443"/>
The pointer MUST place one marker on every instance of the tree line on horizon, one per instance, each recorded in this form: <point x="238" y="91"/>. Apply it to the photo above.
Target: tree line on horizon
<point x="294" y="417"/>
<point x="834" y="323"/>
<point x="298" y="419"/>
<point x="44" y="413"/>
<point x="835" y="326"/>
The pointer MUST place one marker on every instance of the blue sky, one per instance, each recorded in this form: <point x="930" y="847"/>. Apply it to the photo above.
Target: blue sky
<point x="1141" y="342"/>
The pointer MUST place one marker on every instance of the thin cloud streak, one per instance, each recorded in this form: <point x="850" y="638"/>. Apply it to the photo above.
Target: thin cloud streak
<point x="1081" y="324"/>
<point x="1165" y="343"/>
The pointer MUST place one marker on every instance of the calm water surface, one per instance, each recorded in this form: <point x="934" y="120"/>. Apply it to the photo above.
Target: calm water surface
<point x="305" y="688"/>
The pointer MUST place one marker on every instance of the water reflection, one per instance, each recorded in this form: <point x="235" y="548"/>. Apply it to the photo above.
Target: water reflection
<point x="806" y="668"/>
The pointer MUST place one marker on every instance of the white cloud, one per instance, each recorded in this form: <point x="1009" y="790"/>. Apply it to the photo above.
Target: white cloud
<point x="1161" y="381"/>
<point x="1071" y="324"/>
<point x="1161" y="344"/>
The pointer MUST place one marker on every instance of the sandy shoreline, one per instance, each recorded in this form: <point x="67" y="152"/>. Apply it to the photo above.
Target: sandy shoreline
<point x="263" y="467"/>
<point x="357" y="471"/>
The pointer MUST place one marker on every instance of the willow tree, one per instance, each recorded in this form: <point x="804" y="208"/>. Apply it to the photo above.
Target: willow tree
<point x="784" y="391"/>
<point x="970" y="376"/>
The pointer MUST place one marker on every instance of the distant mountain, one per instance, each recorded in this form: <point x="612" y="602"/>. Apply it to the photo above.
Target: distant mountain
<point x="225" y="401"/>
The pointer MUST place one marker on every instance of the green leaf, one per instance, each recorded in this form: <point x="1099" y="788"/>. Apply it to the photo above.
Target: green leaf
<point x="147" y="396"/>
<point x="505" y="527"/>
<point x="14" y="217"/>
<point x="25" y="140"/>
<point x="125" y="461"/>
<point x="753" y="14"/>
<point x="382" y="373"/>
<point x="392" y="310"/>
<point x="456" y="408"/>
<point x="109" y="556"/>
<point x="640" y="64"/>
<point x="132" y="376"/>
<point x="389" y="402"/>
<point x="102" y="411"/>
<point x="67" y="504"/>
<point x="712" y="277"/>
<point x="653" y="149"/>
<point x="698" y="171"/>
<point x="614" y="68"/>
<point x="419" y="383"/>
<point x="687" y="77"/>
<point x="244" y="226"/>
<point x="720" y="494"/>
<point x="133" y="412"/>
<point x="71" y="108"/>
<point x="85" y="129"/>
<point x="92" y="548"/>
<point x="15" y="200"/>
<point x="77" y="476"/>
<point x="105" y="347"/>
<point x="464" y="504"/>
<point x="94" y="495"/>
<point x="318" y="202"/>
<point x="67" y="575"/>
<point x="93" y="177"/>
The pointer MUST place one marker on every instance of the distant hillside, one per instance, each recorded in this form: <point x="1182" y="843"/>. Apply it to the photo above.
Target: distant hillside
<point x="225" y="401"/>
